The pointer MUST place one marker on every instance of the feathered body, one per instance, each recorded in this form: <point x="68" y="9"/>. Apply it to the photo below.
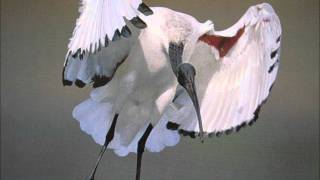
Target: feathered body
<point x="232" y="73"/>
<point x="144" y="85"/>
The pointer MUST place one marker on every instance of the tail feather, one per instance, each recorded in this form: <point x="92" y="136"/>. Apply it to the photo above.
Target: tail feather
<point x="95" y="118"/>
<point x="162" y="137"/>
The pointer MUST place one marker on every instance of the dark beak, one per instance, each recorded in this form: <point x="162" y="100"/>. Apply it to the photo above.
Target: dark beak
<point x="186" y="74"/>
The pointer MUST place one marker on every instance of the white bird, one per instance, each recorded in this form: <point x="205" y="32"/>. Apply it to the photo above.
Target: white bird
<point x="148" y="82"/>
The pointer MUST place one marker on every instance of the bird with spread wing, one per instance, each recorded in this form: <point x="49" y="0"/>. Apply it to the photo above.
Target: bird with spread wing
<point x="158" y="74"/>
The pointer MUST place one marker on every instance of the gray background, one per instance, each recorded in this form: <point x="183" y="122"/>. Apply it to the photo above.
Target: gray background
<point x="41" y="141"/>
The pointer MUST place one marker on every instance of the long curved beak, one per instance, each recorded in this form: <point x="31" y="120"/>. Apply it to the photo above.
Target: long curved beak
<point x="185" y="74"/>
<point x="186" y="78"/>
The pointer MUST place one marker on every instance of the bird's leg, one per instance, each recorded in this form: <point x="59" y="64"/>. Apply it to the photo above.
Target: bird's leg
<point x="186" y="74"/>
<point x="109" y="138"/>
<point x="140" y="150"/>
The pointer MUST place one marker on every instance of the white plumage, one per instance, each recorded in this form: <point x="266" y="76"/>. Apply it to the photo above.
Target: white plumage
<point x="94" y="117"/>
<point x="232" y="88"/>
<point x="136" y="77"/>
<point x="144" y="85"/>
<point x="98" y="22"/>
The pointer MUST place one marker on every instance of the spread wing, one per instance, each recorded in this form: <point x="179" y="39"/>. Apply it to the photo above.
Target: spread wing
<point x="101" y="23"/>
<point x="98" y="68"/>
<point x="236" y="69"/>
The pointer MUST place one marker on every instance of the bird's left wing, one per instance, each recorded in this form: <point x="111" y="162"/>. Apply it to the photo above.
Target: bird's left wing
<point x="237" y="69"/>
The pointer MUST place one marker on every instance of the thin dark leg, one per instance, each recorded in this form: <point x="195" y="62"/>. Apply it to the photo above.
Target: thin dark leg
<point x="109" y="138"/>
<point x="140" y="150"/>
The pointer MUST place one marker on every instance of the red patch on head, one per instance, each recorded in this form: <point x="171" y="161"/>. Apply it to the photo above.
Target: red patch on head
<point x="222" y="44"/>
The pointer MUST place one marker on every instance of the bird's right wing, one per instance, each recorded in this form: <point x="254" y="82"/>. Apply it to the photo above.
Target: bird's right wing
<point x="101" y="23"/>
<point x="98" y="68"/>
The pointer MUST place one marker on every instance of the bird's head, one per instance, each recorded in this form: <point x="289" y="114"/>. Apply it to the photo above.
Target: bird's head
<point x="186" y="31"/>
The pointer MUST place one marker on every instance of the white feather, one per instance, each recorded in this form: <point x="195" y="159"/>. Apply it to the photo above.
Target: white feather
<point x="100" y="19"/>
<point x="240" y="81"/>
<point x="95" y="118"/>
<point x="230" y="88"/>
<point x="102" y="63"/>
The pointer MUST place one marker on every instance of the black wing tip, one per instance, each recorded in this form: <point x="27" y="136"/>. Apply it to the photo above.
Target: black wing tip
<point x="66" y="82"/>
<point x="172" y="126"/>
<point x="193" y="134"/>
<point x="116" y="35"/>
<point x="241" y="126"/>
<point x="99" y="81"/>
<point x="144" y="9"/>
<point x="106" y="41"/>
<point x="271" y="87"/>
<point x="93" y="48"/>
<point x="139" y="23"/>
<point x="79" y="83"/>
<point x="75" y="54"/>
<point x="80" y="53"/>
<point x="278" y="39"/>
<point x="274" y="53"/>
<point x="271" y="68"/>
<point x="125" y="32"/>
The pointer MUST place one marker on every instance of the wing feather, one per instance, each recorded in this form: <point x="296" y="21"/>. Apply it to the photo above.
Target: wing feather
<point x="240" y="80"/>
<point x="100" y="23"/>
<point x="100" y="20"/>
<point x="98" y="68"/>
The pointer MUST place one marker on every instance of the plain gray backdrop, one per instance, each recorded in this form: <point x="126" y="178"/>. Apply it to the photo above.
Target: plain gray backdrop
<point x="41" y="141"/>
